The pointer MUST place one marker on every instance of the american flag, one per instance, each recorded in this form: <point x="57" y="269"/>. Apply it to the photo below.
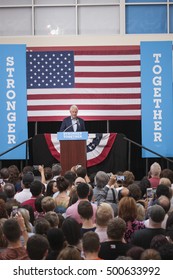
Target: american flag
<point x="104" y="82"/>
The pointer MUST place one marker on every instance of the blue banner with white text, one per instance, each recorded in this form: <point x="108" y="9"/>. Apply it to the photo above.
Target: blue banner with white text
<point x="13" y="101"/>
<point x="157" y="98"/>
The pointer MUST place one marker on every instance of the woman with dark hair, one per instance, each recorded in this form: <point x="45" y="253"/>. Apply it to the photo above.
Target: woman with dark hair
<point x="72" y="232"/>
<point x="51" y="188"/>
<point x="62" y="199"/>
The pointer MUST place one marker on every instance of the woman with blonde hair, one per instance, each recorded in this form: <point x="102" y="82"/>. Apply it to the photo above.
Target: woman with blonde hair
<point x="127" y="210"/>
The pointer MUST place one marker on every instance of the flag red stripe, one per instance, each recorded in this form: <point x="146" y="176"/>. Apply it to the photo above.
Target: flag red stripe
<point x="85" y="107"/>
<point x="107" y="74"/>
<point x="107" y="63"/>
<point x="95" y="50"/>
<point x="109" y="85"/>
<point x="50" y="96"/>
<point x="86" y="118"/>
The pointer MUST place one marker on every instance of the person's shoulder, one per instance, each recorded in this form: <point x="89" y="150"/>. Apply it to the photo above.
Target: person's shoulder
<point x="66" y="118"/>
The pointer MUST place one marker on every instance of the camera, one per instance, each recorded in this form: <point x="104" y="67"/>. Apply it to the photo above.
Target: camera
<point x="149" y="192"/>
<point x="14" y="211"/>
<point x="120" y="178"/>
<point x="35" y="167"/>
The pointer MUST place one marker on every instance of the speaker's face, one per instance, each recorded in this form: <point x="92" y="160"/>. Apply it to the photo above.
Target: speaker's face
<point x="74" y="113"/>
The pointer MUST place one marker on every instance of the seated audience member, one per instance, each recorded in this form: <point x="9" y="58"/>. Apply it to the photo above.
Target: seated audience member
<point x="52" y="218"/>
<point x="51" y="188"/>
<point x="81" y="171"/>
<point x="38" y="213"/>
<point x="150" y="254"/>
<point x="104" y="213"/>
<point x="4" y="174"/>
<point x="135" y="191"/>
<point x="13" y="228"/>
<point x="82" y="192"/>
<point x="144" y="236"/>
<point x="26" y="216"/>
<point x="9" y="190"/>
<point x="41" y="226"/>
<point x="70" y="176"/>
<point x="14" y="177"/>
<point x="56" y="170"/>
<point x="140" y="212"/>
<point x="3" y="240"/>
<point x="144" y="184"/>
<point x="155" y="170"/>
<point x="36" y="189"/>
<point x="103" y="183"/>
<point x="167" y="173"/>
<point x="129" y="178"/>
<point x="3" y="210"/>
<point x="91" y="245"/>
<point x="72" y="232"/>
<point x="48" y="204"/>
<point x="158" y="240"/>
<point x="57" y="242"/>
<point x="114" y="246"/>
<point x="10" y="205"/>
<point x="165" y="203"/>
<point x="166" y="251"/>
<point x="70" y="253"/>
<point x="85" y="211"/>
<point x="37" y="247"/>
<point x="135" y="252"/>
<point x="25" y="194"/>
<point x="62" y="198"/>
<point x="127" y="210"/>
<point x="46" y="175"/>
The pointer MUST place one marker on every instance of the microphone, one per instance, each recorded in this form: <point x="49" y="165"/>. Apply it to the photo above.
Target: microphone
<point x="78" y="122"/>
<point x="71" y="126"/>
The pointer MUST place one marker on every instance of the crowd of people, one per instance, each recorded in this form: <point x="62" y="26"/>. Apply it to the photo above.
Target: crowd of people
<point x="76" y="216"/>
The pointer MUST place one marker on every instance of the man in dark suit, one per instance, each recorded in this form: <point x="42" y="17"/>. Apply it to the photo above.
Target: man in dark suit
<point x="73" y="123"/>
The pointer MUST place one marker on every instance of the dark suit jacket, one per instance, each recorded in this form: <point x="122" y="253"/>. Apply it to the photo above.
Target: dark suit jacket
<point x="67" y="122"/>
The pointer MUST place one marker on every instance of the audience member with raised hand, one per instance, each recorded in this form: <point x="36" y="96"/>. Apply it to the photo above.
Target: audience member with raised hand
<point x="12" y="229"/>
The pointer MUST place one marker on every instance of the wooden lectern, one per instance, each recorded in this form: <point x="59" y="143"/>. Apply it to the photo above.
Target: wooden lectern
<point x="72" y="149"/>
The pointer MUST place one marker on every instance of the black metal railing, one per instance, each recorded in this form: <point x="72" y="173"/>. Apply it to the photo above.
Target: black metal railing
<point x="146" y="159"/>
<point x="16" y="146"/>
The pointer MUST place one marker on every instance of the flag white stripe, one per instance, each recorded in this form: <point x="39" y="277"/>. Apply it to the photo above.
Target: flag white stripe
<point x="108" y="68"/>
<point x="83" y="101"/>
<point x="106" y="80"/>
<point x="85" y="113"/>
<point x="83" y="91"/>
<point x="95" y="57"/>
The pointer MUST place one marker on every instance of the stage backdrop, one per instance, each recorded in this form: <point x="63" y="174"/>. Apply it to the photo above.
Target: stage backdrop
<point x="157" y="98"/>
<point x="13" y="101"/>
<point x="106" y="152"/>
